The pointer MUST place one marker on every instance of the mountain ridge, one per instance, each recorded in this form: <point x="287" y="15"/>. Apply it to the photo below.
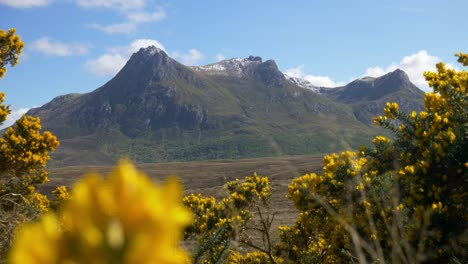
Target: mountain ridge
<point x="156" y="109"/>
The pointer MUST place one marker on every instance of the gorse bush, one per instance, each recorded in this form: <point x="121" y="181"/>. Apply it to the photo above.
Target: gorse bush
<point x="249" y="258"/>
<point x="432" y="148"/>
<point x="24" y="150"/>
<point x="217" y="223"/>
<point x="24" y="153"/>
<point x="401" y="201"/>
<point x="11" y="47"/>
<point x="318" y="234"/>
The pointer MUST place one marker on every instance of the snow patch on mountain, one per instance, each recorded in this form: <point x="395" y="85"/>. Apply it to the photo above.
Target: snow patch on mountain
<point x="302" y="83"/>
<point x="237" y="67"/>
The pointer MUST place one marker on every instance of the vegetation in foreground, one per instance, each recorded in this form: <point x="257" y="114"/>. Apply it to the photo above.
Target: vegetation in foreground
<point x="403" y="200"/>
<point x="24" y="152"/>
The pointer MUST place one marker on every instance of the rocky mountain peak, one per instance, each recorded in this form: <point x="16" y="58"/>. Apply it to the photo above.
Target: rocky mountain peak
<point x="392" y="81"/>
<point x="150" y="54"/>
<point x="250" y="67"/>
<point x="149" y="64"/>
<point x="398" y="75"/>
<point x="370" y="88"/>
<point x="254" y="58"/>
<point x="269" y="73"/>
<point x="401" y="79"/>
<point x="399" y="72"/>
<point x="151" y="51"/>
<point x="235" y="67"/>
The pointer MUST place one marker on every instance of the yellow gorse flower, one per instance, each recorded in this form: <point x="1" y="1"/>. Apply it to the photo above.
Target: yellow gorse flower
<point x="390" y="109"/>
<point x="380" y="139"/>
<point x="124" y="218"/>
<point x="10" y="49"/>
<point x="255" y="257"/>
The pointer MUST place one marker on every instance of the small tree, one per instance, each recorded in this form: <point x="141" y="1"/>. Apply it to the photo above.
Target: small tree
<point x="10" y="49"/>
<point x="24" y="152"/>
<point x="216" y="224"/>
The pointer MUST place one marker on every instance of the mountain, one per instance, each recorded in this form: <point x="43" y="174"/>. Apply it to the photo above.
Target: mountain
<point x="156" y="109"/>
<point x="368" y="96"/>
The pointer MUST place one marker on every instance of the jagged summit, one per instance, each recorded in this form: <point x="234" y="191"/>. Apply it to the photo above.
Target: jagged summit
<point x="151" y="51"/>
<point x="387" y="83"/>
<point x="148" y="65"/>
<point x="252" y="67"/>
<point x="269" y="73"/>
<point x="400" y="73"/>
<point x="397" y="75"/>
<point x="393" y="80"/>
<point x="236" y="67"/>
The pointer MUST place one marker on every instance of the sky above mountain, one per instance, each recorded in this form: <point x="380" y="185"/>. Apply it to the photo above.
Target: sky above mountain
<point x="75" y="46"/>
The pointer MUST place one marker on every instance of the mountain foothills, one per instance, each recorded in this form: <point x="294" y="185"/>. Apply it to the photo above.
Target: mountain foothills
<point x="156" y="109"/>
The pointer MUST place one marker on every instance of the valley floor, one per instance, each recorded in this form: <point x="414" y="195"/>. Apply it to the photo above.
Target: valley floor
<point x="209" y="177"/>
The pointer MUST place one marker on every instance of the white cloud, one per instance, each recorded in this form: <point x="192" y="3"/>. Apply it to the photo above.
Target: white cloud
<point x="137" y="44"/>
<point x="25" y="3"/>
<point x="113" y="4"/>
<point x="317" y="80"/>
<point x="193" y="57"/>
<point x="13" y="116"/>
<point x="297" y="72"/>
<point x="125" y="27"/>
<point x="57" y="48"/>
<point x="414" y="65"/>
<point x="220" y="57"/>
<point x="107" y="64"/>
<point x="134" y="12"/>
<point x="322" y="81"/>
<point x="111" y="62"/>
<point x="375" y="71"/>
<point x="145" y="17"/>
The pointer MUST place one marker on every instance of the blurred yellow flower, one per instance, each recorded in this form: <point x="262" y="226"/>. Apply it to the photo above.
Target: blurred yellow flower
<point x="380" y="139"/>
<point x="122" y="219"/>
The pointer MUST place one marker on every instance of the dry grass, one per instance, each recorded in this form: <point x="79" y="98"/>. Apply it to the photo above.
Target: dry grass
<point x="13" y="211"/>
<point x="209" y="177"/>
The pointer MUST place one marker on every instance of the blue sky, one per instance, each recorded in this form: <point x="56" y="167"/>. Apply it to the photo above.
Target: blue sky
<point x="75" y="46"/>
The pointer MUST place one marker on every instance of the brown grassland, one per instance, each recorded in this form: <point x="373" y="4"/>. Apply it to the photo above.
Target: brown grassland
<point x="209" y="177"/>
